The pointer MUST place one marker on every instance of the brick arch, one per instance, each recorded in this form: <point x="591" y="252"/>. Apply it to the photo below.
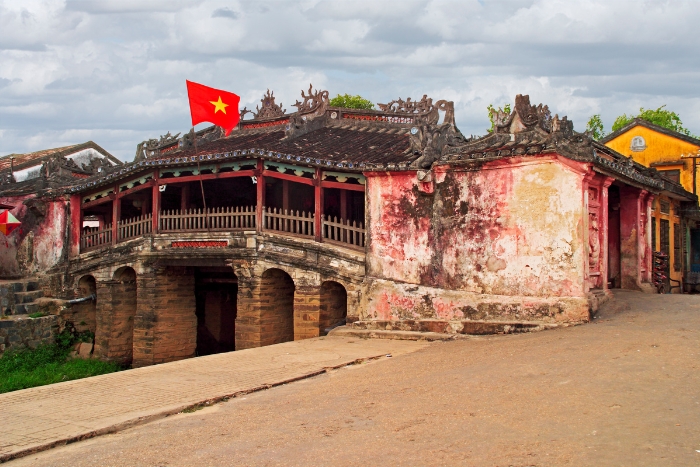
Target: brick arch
<point x="333" y="305"/>
<point x="276" y="295"/>
<point x="84" y="315"/>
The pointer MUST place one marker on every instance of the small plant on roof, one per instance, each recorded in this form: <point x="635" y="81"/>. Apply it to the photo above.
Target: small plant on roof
<point x="346" y="101"/>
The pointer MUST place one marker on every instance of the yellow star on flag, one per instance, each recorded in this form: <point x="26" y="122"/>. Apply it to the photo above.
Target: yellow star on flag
<point x="219" y="105"/>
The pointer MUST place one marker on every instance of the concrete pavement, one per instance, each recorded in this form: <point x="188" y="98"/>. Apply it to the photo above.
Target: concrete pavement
<point x="36" y="419"/>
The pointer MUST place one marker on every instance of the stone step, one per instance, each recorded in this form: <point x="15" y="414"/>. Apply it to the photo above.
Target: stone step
<point x="27" y="297"/>
<point x="25" y="309"/>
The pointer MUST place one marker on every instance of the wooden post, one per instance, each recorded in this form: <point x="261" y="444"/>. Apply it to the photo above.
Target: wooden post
<point x="116" y="214"/>
<point x="344" y="205"/>
<point x="155" y="202"/>
<point x="318" y="207"/>
<point x="76" y="217"/>
<point x="260" y="196"/>
<point x="285" y="195"/>
<point x="184" y="198"/>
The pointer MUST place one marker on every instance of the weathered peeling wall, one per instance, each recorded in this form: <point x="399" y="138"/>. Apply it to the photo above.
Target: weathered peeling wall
<point x="502" y="240"/>
<point x="38" y="244"/>
<point x="509" y="228"/>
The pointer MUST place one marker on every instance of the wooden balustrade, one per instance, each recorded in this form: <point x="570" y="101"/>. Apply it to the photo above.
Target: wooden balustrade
<point x="219" y="219"/>
<point x="293" y="222"/>
<point x="92" y="239"/>
<point x="342" y="231"/>
<point x="297" y="223"/>
<point x="135" y="227"/>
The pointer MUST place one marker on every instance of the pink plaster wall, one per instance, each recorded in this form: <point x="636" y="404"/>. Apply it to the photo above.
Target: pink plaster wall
<point x="510" y="228"/>
<point x="38" y="244"/>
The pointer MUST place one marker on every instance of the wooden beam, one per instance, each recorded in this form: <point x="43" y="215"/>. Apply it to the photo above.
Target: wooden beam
<point x="343" y="186"/>
<point x="97" y="202"/>
<point x="196" y="178"/>
<point x="291" y="178"/>
<point x="124" y="193"/>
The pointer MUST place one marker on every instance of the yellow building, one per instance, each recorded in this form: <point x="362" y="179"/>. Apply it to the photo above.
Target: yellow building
<point x="673" y="225"/>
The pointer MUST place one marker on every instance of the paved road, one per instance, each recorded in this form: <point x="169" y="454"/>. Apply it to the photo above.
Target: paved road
<point x="621" y="391"/>
<point x="37" y="418"/>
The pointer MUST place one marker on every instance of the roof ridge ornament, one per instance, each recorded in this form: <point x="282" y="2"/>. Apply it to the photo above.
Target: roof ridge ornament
<point x="269" y="108"/>
<point x="425" y="111"/>
<point x="315" y="102"/>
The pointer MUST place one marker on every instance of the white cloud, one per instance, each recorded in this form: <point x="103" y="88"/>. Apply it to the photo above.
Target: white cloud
<point x="114" y="70"/>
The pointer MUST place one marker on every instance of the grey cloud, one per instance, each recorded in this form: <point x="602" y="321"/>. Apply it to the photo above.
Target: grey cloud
<point x="224" y="13"/>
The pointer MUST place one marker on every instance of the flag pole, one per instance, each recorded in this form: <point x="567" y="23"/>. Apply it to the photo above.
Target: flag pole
<point x="201" y="184"/>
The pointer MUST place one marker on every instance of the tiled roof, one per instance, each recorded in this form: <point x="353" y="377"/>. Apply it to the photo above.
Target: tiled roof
<point x="336" y="143"/>
<point x="35" y="158"/>
<point x="651" y="126"/>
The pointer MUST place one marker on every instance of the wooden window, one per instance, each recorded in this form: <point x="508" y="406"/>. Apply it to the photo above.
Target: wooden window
<point x="665" y="207"/>
<point x="676" y="209"/>
<point x="672" y="175"/>
<point x="677" y="247"/>
<point x="653" y="234"/>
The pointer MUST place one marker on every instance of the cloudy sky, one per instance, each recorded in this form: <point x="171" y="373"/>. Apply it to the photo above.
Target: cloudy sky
<point x="114" y="71"/>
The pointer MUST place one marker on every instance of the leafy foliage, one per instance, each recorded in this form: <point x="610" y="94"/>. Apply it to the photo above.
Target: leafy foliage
<point x="49" y="363"/>
<point x="595" y="127"/>
<point x="661" y="117"/>
<point x="492" y="114"/>
<point x="347" y="101"/>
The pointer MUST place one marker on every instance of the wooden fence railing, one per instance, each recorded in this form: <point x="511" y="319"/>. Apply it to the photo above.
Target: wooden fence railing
<point x="298" y="223"/>
<point x="294" y="222"/>
<point x="342" y="231"/>
<point x="225" y="218"/>
<point x="95" y="238"/>
<point x="135" y="227"/>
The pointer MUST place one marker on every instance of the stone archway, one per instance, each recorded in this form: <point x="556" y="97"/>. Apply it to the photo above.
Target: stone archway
<point x="333" y="306"/>
<point x="276" y="307"/>
<point x="84" y="314"/>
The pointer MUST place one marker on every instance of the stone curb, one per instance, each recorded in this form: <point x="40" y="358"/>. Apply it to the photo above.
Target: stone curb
<point x="344" y="331"/>
<point x="163" y="413"/>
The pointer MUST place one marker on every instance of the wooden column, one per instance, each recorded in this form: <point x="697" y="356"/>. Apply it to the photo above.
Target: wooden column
<point x="285" y="195"/>
<point x="344" y="205"/>
<point x="155" y="202"/>
<point x="116" y="213"/>
<point x="318" y="207"/>
<point x="260" y="196"/>
<point x="184" y="197"/>
<point x="76" y="219"/>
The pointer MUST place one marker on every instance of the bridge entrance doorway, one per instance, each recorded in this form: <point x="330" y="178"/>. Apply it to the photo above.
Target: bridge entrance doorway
<point x="216" y="292"/>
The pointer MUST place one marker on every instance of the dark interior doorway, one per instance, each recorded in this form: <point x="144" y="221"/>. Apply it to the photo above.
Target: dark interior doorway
<point x="614" y="268"/>
<point x="216" y="292"/>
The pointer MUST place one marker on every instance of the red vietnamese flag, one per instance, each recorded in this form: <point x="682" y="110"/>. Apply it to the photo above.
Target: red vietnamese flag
<point x="214" y="106"/>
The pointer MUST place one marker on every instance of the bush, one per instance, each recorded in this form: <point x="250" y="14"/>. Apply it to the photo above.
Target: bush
<point x="49" y="363"/>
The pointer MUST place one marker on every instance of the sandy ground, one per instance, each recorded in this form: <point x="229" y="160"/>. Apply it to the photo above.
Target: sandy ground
<point x="621" y="391"/>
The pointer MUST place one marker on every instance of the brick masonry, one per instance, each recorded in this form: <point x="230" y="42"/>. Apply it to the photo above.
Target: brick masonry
<point x="18" y="333"/>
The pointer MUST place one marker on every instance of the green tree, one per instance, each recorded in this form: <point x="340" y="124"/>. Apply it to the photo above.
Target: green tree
<point x="661" y="117"/>
<point x="494" y="113"/>
<point x="595" y="127"/>
<point x="346" y="101"/>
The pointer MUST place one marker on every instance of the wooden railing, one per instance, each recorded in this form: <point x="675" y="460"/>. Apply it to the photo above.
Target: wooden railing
<point x="135" y="227"/>
<point x="95" y="238"/>
<point x="342" y="231"/>
<point x="297" y="223"/>
<point x="214" y="219"/>
<point x="293" y="222"/>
